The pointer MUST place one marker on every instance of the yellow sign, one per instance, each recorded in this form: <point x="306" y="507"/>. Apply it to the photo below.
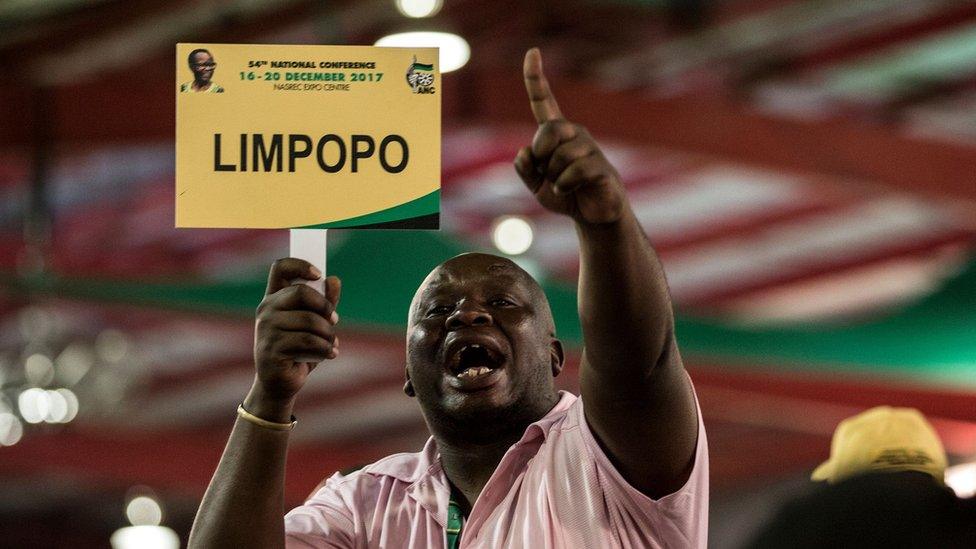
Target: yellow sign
<point x="307" y="136"/>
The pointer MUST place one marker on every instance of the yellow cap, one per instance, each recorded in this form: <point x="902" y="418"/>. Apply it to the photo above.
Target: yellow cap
<point x="883" y="439"/>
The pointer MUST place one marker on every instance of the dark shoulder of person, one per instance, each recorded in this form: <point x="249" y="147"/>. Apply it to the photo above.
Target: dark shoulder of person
<point x="889" y="510"/>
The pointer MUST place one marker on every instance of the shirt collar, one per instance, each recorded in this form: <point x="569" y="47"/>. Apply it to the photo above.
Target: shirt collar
<point x="541" y="426"/>
<point x="428" y="484"/>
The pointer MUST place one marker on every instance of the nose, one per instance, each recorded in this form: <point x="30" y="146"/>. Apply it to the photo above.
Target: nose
<point x="468" y="315"/>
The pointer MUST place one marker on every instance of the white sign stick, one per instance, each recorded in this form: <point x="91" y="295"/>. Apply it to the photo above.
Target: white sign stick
<point x="309" y="244"/>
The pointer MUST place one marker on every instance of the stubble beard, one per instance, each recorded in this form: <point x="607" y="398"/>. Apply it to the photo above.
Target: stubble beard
<point x="483" y="423"/>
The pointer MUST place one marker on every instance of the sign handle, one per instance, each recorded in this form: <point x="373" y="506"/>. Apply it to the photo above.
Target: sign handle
<point x="309" y="244"/>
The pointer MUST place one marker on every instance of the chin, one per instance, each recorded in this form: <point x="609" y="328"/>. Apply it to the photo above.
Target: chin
<point x="477" y="403"/>
<point x="495" y="408"/>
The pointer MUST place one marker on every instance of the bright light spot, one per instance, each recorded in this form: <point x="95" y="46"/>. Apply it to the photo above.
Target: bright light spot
<point x="512" y="235"/>
<point x="418" y="8"/>
<point x="145" y="537"/>
<point x="10" y="429"/>
<point x="57" y="407"/>
<point x="34" y="323"/>
<point x="73" y="363"/>
<point x="34" y="405"/>
<point x="144" y="511"/>
<point x="962" y="479"/>
<point x="39" y="370"/>
<point x="112" y="345"/>
<point x="71" y="401"/>
<point x="455" y="51"/>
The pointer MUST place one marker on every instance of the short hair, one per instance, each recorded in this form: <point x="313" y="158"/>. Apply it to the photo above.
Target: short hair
<point x="189" y="58"/>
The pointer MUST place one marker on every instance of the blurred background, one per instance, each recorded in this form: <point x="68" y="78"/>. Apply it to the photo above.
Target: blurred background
<point x="805" y="169"/>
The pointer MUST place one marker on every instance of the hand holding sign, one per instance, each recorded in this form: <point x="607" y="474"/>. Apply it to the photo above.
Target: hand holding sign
<point x="564" y="167"/>
<point x="294" y="330"/>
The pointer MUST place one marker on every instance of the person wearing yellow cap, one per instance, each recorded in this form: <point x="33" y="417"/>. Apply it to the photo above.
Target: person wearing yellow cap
<point x="883" y="486"/>
<point x="883" y="439"/>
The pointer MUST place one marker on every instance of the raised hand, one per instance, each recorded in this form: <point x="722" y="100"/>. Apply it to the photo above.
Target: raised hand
<point x="564" y="168"/>
<point x="294" y="330"/>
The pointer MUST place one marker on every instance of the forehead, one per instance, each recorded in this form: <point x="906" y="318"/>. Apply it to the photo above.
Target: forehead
<point x="201" y="56"/>
<point x="473" y="273"/>
<point x="476" y="271"/>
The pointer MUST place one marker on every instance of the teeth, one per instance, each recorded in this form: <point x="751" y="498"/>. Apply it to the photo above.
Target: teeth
<point x="472" y="372"/>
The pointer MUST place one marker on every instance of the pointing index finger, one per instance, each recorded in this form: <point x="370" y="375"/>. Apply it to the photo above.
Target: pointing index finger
<point x="544" y="105"/>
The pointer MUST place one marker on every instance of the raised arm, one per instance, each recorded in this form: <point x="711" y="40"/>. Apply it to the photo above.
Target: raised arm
<point x="638" y="399"/>
<point x="294" y="331"/>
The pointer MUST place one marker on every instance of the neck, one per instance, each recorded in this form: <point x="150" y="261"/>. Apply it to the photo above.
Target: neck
<point x="468" y="466"/>
<point x="470" y="453"/>
<point x="199" y="85"/>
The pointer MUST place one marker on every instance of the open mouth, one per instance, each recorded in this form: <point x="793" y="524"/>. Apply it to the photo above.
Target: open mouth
<point x="474" y="360"/>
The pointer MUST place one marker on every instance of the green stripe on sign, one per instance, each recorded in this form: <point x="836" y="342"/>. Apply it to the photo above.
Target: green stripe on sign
<point x="423" y="67"/>
<point x="418" y="207"/>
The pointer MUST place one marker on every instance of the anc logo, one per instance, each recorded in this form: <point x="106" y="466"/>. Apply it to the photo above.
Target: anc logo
<point x="420" y="77"/>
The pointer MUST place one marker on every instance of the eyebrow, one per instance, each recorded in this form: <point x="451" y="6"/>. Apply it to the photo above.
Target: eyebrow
<point x="509" y="282"/>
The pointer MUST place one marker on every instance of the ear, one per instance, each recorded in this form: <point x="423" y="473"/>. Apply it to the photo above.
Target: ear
<point x="556" y="357"/>
<point x="408" y="386"/>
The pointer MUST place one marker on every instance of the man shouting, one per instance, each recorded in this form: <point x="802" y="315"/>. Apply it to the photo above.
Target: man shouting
<point x="511" y="461"/>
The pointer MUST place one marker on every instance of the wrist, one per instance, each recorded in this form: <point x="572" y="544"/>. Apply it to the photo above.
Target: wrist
<point x="615" y="228"/>
<point x="276" y="409"/>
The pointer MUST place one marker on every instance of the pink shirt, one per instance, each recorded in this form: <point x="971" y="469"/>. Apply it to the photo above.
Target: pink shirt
<point x="553" y="488"/>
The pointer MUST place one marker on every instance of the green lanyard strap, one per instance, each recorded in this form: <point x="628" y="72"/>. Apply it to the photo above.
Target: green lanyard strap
<point x="454" y="524"/>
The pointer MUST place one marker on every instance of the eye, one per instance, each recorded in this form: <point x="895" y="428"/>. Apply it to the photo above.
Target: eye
<point x="439" y="310"/>
<point x="501" y="302"/>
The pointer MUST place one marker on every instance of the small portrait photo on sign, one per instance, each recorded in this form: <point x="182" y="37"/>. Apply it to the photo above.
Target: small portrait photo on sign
<point x="202" y="67"/>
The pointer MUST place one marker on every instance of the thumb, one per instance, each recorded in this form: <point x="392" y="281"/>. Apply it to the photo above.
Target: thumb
<point x="333" y="289"/>
<point x="286" y="270"/>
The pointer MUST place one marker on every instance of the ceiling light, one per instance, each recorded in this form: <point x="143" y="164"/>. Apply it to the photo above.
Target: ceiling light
<point x="145" y="537"/>
<point x="72" y="402"/>
<point x="418" y="8"/>
<point x="512" y="234"/>
<point x="34" y="405"/>
<point x="57" y="409"/>
<point x="74" y="362"/>
<point x="39" y="370"/>
<point x="112" y="345"/>
<point x="144" y="510"/>
<point x="10" y="429"/>
<point x="454" y="50"/>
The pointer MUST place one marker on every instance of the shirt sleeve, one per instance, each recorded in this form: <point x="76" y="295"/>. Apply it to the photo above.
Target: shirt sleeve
<point x="681" y="516"/>
<point x="322" y="522"/>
